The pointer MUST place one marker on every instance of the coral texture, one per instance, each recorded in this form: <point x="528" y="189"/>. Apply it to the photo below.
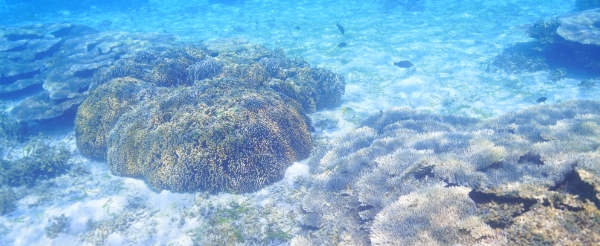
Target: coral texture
<point x="582" y="27"/>
<point x="53" y="65"/>
<point x="190" y="140"/>
<point x="410" y="177"/>
<point x="40" y="160"/>
<point x="226" y="116"/>
<point x="113" y="100"/>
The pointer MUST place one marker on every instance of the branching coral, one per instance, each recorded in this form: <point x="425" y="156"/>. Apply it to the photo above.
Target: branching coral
<point x="431" y="216"/>
<point x="408" y="169"/>
<point x="41" y="160"/>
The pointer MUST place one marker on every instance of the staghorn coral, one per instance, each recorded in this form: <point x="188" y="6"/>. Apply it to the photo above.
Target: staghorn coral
<point x="543" y="157"/>
<point x="190" y="118"/>
<point x="431" y="216"/>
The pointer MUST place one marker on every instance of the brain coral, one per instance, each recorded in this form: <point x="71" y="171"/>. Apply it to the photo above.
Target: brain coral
<point x="399" y="176"/>
<point x="190" y="118"/>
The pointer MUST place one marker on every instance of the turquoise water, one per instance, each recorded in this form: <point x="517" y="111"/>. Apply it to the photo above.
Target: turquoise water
<point x="455" y="48"/>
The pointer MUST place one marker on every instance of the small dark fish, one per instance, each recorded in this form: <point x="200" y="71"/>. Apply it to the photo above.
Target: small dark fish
<point x="297" y="27"/>
<point x="404" y="64"/>
<point x="213" y="53"/>
<point x="541" y="99"/>
<point x="342" y="45"/>
<point x="340" y="27"/>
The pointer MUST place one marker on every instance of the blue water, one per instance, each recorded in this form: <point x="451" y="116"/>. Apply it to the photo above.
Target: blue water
<point x="452" y="45"/>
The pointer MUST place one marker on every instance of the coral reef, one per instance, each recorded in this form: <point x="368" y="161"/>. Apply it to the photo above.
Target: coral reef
<point x="53" y="65"/>
<point x="518" y="59"/>
<point x="58" y="224"/>
<point x="40" y="160"/>
<point x="431" y="216"/>
<point x="112" y="100"/>
<point x="581" y="28"/>
<point x="190" y="140"/>
<point x="410" y="177"/>
<point x="563" y="45"/>
<point x="226" y="116"/>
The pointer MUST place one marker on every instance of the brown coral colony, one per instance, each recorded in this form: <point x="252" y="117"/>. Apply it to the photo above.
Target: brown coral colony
<point x="186" y="119"/>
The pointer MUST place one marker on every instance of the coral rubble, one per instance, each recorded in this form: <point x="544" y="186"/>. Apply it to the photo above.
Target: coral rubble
<point x="228" y="116"/>
<point x="409" y="177"/>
